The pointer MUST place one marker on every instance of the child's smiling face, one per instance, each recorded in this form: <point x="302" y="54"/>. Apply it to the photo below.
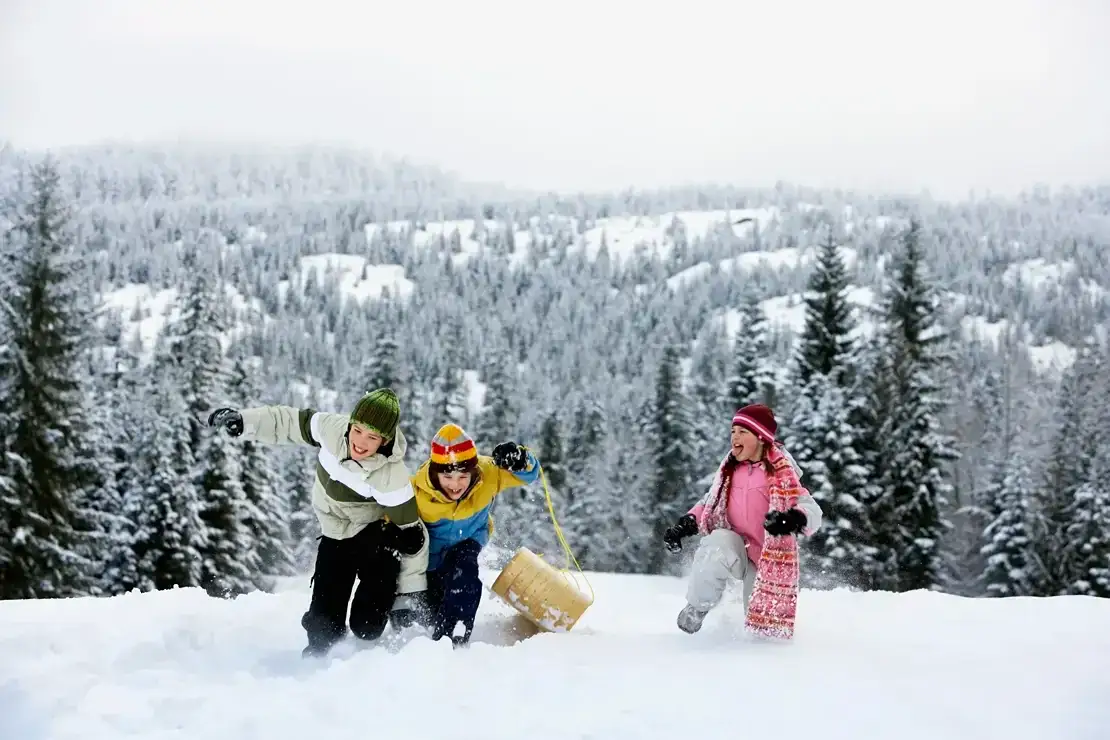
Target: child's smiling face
<point x="454" y="483"/>
<point x="364" y="443"/>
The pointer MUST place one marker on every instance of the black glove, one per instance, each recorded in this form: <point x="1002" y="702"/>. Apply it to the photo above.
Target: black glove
<point x="779" y="523"/>
<point x="229" y="419"/>
<point x="687" y="526"/>
<point x="510" y="456"/>
<point x="405" y="540"/>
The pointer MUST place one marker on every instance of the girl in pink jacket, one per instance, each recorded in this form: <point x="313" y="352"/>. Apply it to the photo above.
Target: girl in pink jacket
<point x="734" y="515"/>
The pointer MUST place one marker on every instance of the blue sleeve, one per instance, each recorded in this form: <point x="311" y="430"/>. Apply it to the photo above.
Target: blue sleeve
<point x="531" y="474"/>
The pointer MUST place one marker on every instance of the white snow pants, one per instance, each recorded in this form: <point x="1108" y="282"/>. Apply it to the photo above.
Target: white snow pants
<point x="720" y="556"/>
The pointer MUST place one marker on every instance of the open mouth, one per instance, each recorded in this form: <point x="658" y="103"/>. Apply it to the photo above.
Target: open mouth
<point x="358" y="450"/>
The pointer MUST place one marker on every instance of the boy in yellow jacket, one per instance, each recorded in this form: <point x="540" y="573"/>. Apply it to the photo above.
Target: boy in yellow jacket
<point x="455" y="489"/>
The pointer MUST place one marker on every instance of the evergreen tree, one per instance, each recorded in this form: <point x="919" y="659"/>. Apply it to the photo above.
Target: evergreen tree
<point x="194" y="345"/>
<point x="592" y="502"/>
<point x="498" y="419"/>
<point x="823" y="434"/>
<point x="879" y="541"/>
<point x="823" y="438"/>
<point x="382" y="368"/>
<point x="752" y="379"/>
<point x="826" y="346"/>
<point x="1088" y="538"/>
<point x="551" y="453"/>
<point x="170" y="536"/>
<point x="1009" y="568"/>
<point x="298" y="472"/>
<point x="669" y="444"/>
<point x="266" y="511"/>
<point x="44" y="441"/>
<point x="917" y="449"/>
<point x="1069" y="465"/>
<point x="710" y="403"/>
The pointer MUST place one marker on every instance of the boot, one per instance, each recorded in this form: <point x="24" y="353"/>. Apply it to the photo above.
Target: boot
<point x="690" y="619"/>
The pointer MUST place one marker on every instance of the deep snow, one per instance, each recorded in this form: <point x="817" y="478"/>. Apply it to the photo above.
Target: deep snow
<point x="918" y="666"/>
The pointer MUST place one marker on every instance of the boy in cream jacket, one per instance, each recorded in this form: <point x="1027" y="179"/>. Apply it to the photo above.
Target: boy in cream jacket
<point x="364" y="501"/>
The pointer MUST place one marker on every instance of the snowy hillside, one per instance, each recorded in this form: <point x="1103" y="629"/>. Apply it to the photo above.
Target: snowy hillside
<point x="916" y="666"/>
<point x="626" y="237"/>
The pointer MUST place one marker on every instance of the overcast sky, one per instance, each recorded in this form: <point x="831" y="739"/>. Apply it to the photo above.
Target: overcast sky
<point x="948" y="95"/>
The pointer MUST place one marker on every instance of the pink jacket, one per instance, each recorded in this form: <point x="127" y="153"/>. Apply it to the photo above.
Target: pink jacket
<point x="748" y="503"/>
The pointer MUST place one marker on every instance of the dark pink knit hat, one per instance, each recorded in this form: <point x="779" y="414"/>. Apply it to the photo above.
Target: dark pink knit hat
<point x="759" y="420"/>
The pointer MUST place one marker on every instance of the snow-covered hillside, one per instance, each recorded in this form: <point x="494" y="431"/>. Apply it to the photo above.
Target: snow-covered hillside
<point x="625" y="236"/>
<point x="917" y="666"/>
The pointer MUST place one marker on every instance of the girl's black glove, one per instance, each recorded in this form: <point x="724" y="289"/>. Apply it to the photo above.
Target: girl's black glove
<point x="779" y="523"/>
<point x="229" y="419"/>
<point x="510" y="456"/>
<point x="687" y="526"/>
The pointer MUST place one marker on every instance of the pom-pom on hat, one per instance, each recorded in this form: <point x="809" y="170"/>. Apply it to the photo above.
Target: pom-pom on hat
<point x="379" y="411"/>
<point x="759" y="420"/>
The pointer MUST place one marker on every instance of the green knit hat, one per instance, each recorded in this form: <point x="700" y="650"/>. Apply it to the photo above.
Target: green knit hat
<point x="379" y="410"/>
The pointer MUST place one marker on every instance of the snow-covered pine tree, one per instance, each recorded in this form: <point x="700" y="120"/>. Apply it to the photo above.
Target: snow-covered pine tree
<point x="267" y="508"/>
<point x="194" y="349"/>
<point x="298" y="468"/>
<point x="878" y="541"/>
<point x="109" y="540"/>
<point x="591" y="504"/>
<point x="1088" y="537"/>
<point x="711" y="406"/>
<point x="164" y="498"/>
<point x="668" y="443"/>
<point x="450" y="401"/>
<point x="752" y="378"/>
<point x="822" y="431"/>
<point x="44" y="442"/>
<point x="916" y="449"/>
<point x="1070" y="463"/>
<point x="382" y="368"/>
<point x="826" y="346"/>
<point x="498" y="419"/>
<point x="1010" y="568"/>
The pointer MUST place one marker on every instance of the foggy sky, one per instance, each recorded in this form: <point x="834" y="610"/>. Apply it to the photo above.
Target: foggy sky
<point x="870" y="94"/>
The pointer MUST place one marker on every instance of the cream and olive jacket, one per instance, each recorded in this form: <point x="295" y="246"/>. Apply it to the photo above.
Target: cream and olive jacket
<point x="347" y="495"/>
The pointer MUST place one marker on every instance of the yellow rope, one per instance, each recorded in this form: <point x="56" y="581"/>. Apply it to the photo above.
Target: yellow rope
<point x="567" y="553"/>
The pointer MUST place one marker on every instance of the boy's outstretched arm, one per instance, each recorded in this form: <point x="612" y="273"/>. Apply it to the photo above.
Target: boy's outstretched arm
<point x="279" y="425"/>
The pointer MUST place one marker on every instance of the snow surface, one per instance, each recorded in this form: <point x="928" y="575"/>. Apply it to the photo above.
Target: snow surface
<point x="622" y="235"/>
<point x="1040" y="275"/>
<point x="917" y="666"/>
<point x="1053" y="357"/>
<point x="357" y="279"/>
<point x="788" y="312"/>
<point x="764" y="260"/>
<point x="144" y="312"/>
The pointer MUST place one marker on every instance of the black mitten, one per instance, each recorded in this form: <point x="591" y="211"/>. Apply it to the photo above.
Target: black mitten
<point x="230" y="419"/>
<point x="780" y="523"/>
<point x="405" y="540"/>
<point x="510" y="456"/>
<point x="687" y="526"/>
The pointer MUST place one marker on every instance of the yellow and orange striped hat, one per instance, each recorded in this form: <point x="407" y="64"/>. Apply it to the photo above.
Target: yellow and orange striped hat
<point x="452" y="446"/>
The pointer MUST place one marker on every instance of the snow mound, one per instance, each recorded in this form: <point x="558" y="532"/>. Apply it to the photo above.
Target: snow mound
<point x="917" y="666"/>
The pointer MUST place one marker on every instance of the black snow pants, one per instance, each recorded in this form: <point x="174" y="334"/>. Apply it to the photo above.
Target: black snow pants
<point x="338" y="563"/>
